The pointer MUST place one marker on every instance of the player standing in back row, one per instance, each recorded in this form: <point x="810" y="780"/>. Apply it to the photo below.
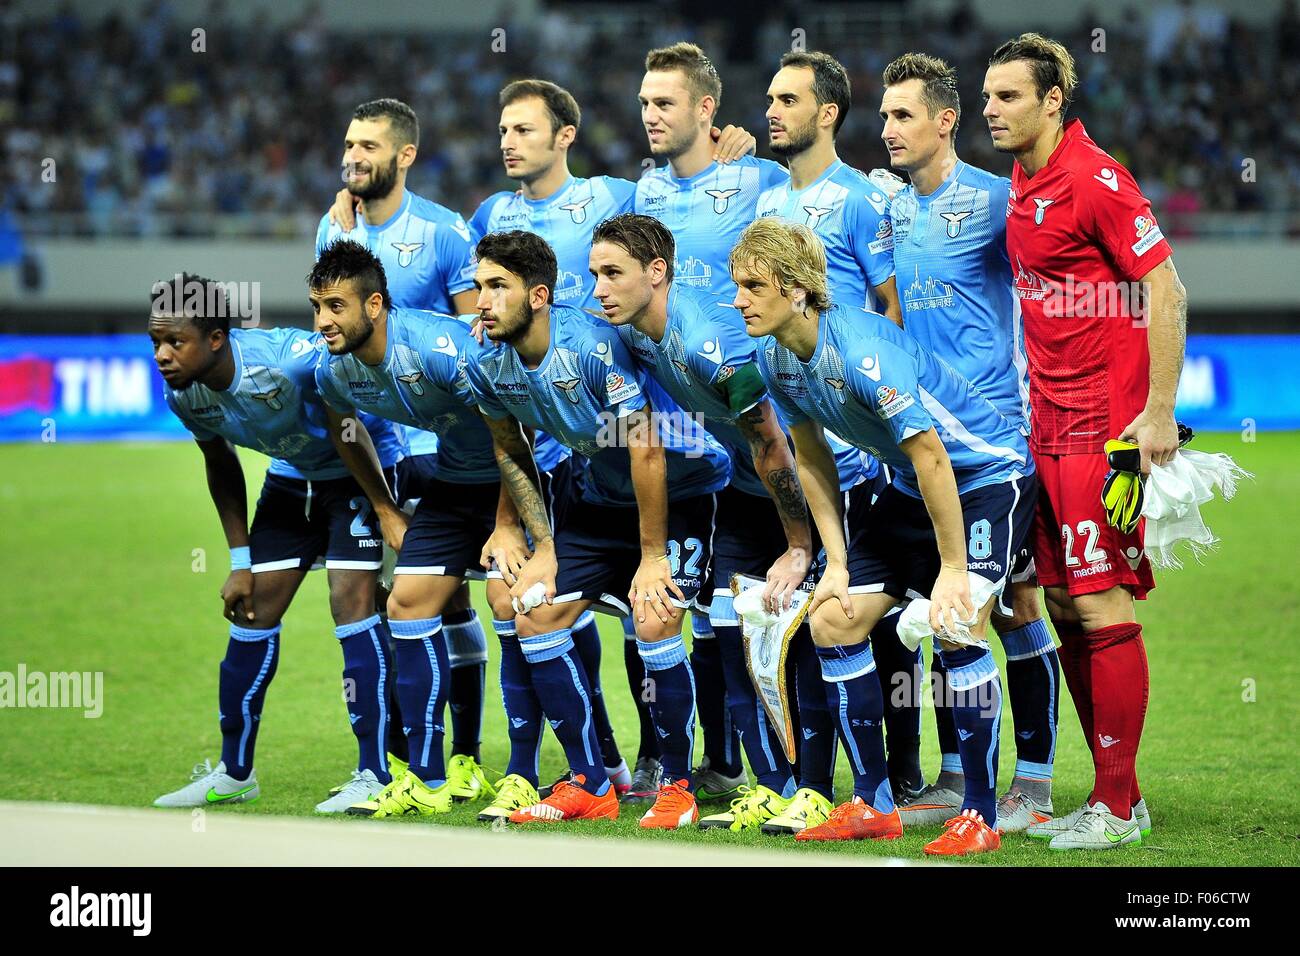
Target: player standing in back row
<point x="1078" y="227"/>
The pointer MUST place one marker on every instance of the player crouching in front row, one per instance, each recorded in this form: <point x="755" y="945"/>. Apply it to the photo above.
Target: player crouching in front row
<point x="958" y="511"/>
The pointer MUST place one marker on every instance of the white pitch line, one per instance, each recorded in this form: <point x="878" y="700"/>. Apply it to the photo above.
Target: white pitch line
<point x="52" y="834"/>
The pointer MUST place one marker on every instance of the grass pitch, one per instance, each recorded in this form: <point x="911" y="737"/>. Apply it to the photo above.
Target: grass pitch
<point x="102" y="570"/>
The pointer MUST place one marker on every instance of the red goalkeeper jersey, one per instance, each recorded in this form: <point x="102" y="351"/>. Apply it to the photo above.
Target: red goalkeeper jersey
<point x="1080" y="236"/>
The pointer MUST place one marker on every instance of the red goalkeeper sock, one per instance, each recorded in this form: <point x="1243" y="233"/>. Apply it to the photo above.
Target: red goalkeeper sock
<point x="1120" y="682"/>
<point x="1074" y="654"/>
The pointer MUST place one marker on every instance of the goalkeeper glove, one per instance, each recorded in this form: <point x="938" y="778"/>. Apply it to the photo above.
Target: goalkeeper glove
<point x="1122" y="493"/>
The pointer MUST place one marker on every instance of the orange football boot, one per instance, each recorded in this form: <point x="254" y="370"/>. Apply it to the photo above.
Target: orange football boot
<point x="855" y="820"/>
<point x="674" y="808"/>
<point x="568" y="801"/>
<point x="966" y="834"/>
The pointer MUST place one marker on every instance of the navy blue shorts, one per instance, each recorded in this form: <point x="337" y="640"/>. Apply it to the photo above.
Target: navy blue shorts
<point x="298" y="523"/>
<point x="892" y="547"/>
<point x="749" y="538"/>
<point x="598" y="549"/>
<point x="451" y="524"/>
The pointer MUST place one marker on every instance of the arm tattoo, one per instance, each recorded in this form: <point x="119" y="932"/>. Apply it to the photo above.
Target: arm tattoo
<point x="784" y="483"/>
<point x="519" y="475"/>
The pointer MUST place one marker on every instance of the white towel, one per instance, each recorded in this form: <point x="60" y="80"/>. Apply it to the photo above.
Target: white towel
<point x="1174" y="495"/>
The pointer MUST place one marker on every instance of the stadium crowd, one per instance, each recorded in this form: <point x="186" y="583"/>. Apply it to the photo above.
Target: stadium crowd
<point x="151" y="137"/>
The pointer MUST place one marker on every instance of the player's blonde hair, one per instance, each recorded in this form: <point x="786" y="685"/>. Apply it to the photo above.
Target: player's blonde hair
<point x="1050" y="64"/>
<point x="790" y="253"/>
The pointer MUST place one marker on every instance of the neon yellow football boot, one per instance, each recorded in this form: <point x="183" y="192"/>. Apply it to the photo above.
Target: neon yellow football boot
<point x="749" y="811"/>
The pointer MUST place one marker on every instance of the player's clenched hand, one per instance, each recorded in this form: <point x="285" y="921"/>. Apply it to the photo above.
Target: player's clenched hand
<point x="950" y="601"/>
<point x="392" y="525"/>
<point x="731" y="143"/>
<point x="653" y="588"/>
<point x="834" y="586"/>
<point x="1156" y="434"/>
<point x="342" y="212"/>
<point x="783" y="579"/>
<point x="507" y="548"/>
<point x="237" y="595"/>
<point x="540" y="568"/>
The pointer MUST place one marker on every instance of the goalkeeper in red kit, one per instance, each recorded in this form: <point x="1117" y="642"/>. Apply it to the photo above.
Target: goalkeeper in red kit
<point x="1105" y="320"/>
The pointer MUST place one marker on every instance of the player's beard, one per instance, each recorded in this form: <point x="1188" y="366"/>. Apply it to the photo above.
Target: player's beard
<point x="512" y="331"/>
<point x="355" y="338"/>
<point x="381" y="182"/>
<point x="675" y="145"/>
<point x="797" y="139"/>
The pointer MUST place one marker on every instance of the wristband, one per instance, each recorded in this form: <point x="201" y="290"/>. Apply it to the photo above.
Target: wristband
<point x="240" y="559"/>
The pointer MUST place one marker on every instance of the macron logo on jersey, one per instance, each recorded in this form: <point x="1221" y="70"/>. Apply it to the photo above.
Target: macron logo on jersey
<point x="1108" y="179"/>
<point x="443" y="345"/>
<point x="712" y="351"/>
<point x="870" y="367"/>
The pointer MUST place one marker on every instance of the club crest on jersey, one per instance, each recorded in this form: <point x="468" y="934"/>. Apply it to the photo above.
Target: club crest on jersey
<point x="412" y="381"/>
<point x="1042" y="205"/>
<point x="838" y="385"/>
<point x="721" y="197"/>
<point x="406" y="252"/>
<point x="569" y="387"/>
<point x="954" y="221"/>
<point x="271" y="397"/>
<point x="815" y="214"/>
<point x="577" y="210"/>
<point x="682" y="367"/>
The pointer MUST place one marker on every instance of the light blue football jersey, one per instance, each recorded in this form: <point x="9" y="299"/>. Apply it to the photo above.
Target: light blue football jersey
<point x="584" y="387"/>
<point x="704" y="345"/>
<point x="272" y="406"/>
<point x="428" y="258"/>
<point x="954" y="281"/>
<point x="849" y="214"/>
<point x="420" y="383"/>
<point x="566" y="220"/>
<point x="706" y="214"/>
<point x="875" y="386"/>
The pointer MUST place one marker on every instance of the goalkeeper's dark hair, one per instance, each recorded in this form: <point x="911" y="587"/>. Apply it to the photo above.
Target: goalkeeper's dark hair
<point x="644" y="238"/>
<point x="938" y="82"/>
<point x="401" y="118"/>
<point x="525" y="254"/>
<point x="1049" y="62"/>
<point x="830" y="81"/>
<point x="205" y="302"/>
<point x="559" y="102"/>
<point x="346" y="261"/>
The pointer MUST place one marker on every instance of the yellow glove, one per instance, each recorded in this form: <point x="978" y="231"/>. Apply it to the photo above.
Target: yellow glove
<point x="1122" y="493"/>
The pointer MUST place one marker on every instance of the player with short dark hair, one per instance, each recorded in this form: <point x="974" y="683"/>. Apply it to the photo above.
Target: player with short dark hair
<point x="1105" y="329"/>
<point x="958" y="508"/>
<point x="637" y="520"/>
<point x="950" y="223"/>
<point x="256" y="388"/>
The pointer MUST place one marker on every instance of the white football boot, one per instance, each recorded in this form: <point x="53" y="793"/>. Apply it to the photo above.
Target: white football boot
<point x="1098" y="829"/>
<point x="210" y="786"/>
<point x="363" y="786"/>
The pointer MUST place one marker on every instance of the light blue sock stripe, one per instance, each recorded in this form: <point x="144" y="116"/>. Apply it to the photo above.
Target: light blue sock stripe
<point x="342" y="631"/>
<point x="690" y="722"/>
<point x="414" y="630"/>
<point x="1051" y="708"/>
<point x="466" y="643"/>
<point x="433" y="697"/>
<point x="548" y="646"/>
<point x="967" y="676"/>
<point x="244" y="711"/>
<point x="990" y="760"/>
<point x="950" y="763"/>
<point x="661" y="655"/>
<point x="854" y="664"/>
<point x="1033" y="771"/>
<point x="764" y="743"/>
<point x="1028" y="641"/>
<point x="506" y="628"/>
<point x="586" y="702"/>
<point x="251" y="634"/>
<point x="722" y="612"/>
<point x="376" y="642"/>
<point x="849" y="743"/>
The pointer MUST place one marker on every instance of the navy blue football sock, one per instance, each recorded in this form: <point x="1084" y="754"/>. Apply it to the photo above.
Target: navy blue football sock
<point x="1033" y="680"/>
<point x="672" y="705"/>
<point x="945" y="728"/>
<point x="367" y="666"/>
<point x="815" y="732"/>
<point x="976" y="693"/>
<point x="251" y="658"/>
<point x="467" y="655"/>
<point x="422" y="679"/>
<point x="853" y="690"/>
<point x="586" y="640"/>
<point x="648" y="745"/>
<point x="761" y="743"/>
<point x="523" y="709"/>
<point x="721" y="735"/>
<point x="565" y="693"/>
<point x="900" y="673"/>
